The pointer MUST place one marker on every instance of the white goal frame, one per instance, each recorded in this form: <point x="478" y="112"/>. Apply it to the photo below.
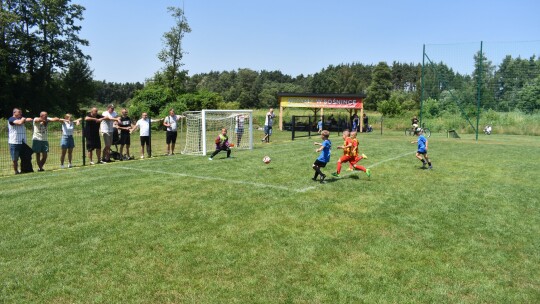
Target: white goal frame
<point x="204" y="141"/>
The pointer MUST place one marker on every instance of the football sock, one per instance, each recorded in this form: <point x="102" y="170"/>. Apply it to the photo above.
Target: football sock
<point x="338" y="167"/>
<point x="317" y="171"/>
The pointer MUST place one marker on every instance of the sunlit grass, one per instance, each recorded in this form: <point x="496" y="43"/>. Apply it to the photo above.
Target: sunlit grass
<point x="185" y="229"/>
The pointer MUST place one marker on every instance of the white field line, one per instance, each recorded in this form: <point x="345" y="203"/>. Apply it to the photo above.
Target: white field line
<point x="165" y="159"/>
<point x="378" y="163"/>
<point x="241" y="182"/>
<point x="390" y="159"/>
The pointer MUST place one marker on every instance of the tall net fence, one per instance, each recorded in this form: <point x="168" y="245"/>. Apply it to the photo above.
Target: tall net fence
<point x="55" y="151"/>
<point x="470" y="79"/>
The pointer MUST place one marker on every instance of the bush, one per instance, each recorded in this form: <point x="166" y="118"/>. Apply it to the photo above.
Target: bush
<point x="234" y="105"/>
<point x="136" y="109"/>
<point x="389" y="108"/>
<point x="201" y="100"/>
<point x="178" y="106"/>
<point x="152" y="98"/>
<point x="431" y="108"/>
<point x="409" y="105"/>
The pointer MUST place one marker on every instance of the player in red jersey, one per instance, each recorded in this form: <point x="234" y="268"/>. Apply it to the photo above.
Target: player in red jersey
<point x="349" y="155"/>
<point x="356" y="157"/>
<point x="354" y="151"/>
<point x="346" y="147"/>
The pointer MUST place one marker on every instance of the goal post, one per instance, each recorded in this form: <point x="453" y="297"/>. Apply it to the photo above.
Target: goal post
<point x="203" y="126"/>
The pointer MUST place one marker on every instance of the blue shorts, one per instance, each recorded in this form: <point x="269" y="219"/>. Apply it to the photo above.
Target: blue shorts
<point x="40" y="146"/>
<point x="67" y="142"/>
<point x="268" y="130"/>
<point x="15" y="150"/>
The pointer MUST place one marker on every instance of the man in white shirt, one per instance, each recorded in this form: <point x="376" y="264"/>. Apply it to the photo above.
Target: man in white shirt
<point x="268" y="122"/>
<point x="17" y="136"/>
<point x="107" y="129"/>
<point x="171" y="122"/>
<point x="40" y="141"/>
<point x="143" y="125"/>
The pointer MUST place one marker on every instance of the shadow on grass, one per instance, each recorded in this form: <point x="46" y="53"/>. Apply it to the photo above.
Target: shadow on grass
<point x="330" y="179"/>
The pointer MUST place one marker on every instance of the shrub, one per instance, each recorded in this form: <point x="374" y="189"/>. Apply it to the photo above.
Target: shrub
<point x="389" y="108"/>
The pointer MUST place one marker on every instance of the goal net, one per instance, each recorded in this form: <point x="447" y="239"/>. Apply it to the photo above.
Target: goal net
<point x="202" y="127"/>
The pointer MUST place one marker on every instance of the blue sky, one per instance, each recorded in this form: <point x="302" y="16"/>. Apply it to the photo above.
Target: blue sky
<point x="293" y="36"/>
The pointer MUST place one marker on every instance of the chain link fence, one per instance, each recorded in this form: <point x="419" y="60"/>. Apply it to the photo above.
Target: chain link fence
<point x="158" y="146"/>
<point x="469" y="79"/>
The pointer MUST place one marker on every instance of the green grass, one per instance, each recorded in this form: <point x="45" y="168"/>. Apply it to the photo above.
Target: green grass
<point x="185" y="229"/>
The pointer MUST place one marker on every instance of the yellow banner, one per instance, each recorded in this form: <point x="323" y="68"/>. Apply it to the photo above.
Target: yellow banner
<point x="321" y="102"/>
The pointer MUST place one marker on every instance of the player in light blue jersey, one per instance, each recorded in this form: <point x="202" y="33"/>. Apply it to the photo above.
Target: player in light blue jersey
<point x="422" y="151"/>
<point x="324" y="157"/>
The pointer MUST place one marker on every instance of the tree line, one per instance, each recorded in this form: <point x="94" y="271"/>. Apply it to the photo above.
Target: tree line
<point x="43" y="67"/>
<point x="41" y="61"/>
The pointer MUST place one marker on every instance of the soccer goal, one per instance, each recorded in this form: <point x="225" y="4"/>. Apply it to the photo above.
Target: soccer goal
<point x="202" y="127"/>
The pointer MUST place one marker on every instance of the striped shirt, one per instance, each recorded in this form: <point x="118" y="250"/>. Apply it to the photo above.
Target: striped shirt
<point x="17" y="133"/>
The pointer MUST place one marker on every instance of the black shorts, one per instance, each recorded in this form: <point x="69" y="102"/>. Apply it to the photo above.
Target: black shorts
<point x="171" y="137"/>
<point x="145" y="140"/>
<point x="319" y="163"/>
<point x="423" y="153"/>
<point x="125" y="138"/>
<point x="93" y="143"/>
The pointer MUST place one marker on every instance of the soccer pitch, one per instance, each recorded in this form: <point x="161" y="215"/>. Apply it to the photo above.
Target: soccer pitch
<point x="186" y="229"/>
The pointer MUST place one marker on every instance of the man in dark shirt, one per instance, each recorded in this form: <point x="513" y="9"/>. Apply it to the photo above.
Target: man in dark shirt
<point x="91" y="133"/>
<point x="125" y="140"/>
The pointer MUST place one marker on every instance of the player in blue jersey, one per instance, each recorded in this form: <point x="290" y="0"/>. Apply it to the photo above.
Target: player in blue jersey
<point x="324" y="157"/>
<point x="422" y="152"/>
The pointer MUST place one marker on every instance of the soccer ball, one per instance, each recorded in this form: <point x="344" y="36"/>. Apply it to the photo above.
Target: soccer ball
<point x="266" y="159"/>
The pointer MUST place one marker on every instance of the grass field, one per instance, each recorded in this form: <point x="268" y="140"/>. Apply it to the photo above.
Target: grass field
<point x="185" y="229"/>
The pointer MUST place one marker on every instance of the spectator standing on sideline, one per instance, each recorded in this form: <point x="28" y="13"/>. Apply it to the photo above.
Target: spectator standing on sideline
<point x="268" y="122"/>
<point x="124" y="124"/>
<point x="143" y="125"/>
<point x="355" y="122"/>
<point x="40" y="141"/>
<point x="365" y="122"/>
<point x="239" y="128"/>
<point x="17" y="136"/>
<point x="171" y="122"/>
<point x="320" y="126"/>
<point x="91" y="133"/>
<point x="67" y="143"/>
<point x="107" y="129"/>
